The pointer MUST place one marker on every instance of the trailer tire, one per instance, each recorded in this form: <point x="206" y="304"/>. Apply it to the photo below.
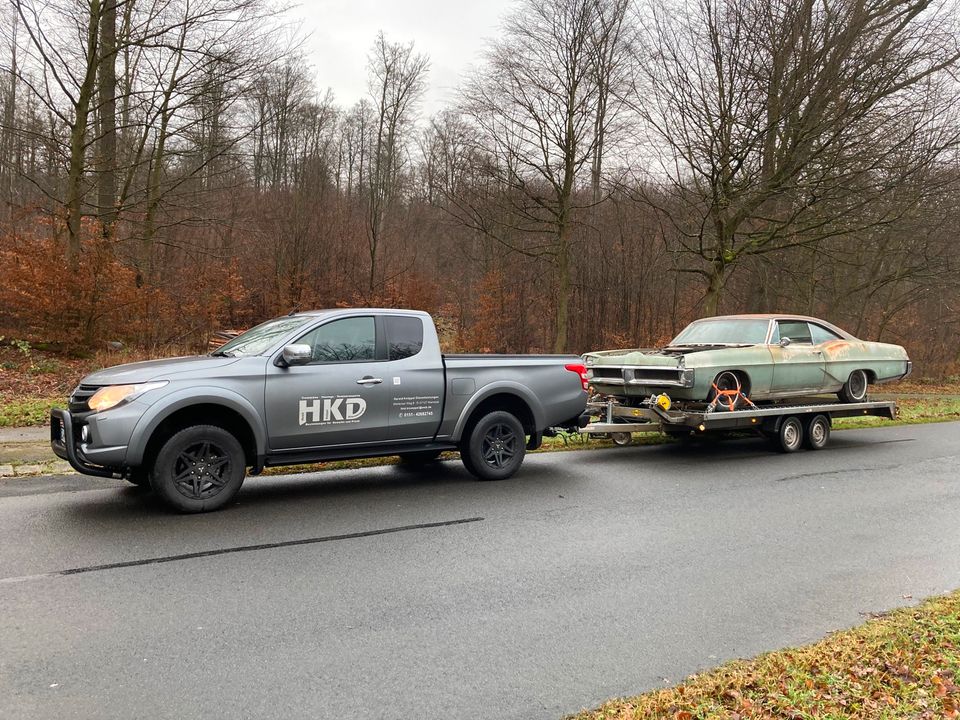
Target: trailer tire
<point x="816" y="434"/>
<point x="495" y="447"/>
<point x="854" y="390"/>
<point x="790" y="435"/>
<point x="199" y="469"/>
<point x="621" y="438"/>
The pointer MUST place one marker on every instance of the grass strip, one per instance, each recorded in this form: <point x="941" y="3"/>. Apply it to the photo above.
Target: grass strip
<point x="903" y="664"/>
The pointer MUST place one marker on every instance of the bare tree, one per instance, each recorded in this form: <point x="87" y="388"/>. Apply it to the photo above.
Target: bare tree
<point x="781" y="124"/>
<point x="540" y="105"/>
<point x="397" y="82"/>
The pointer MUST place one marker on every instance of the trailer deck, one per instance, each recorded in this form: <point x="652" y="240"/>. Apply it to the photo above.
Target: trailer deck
<point x="806" y="421"/>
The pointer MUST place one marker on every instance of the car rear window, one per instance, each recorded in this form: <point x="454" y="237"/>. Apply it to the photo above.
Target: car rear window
<point x="404" y="336"/>
<point x="821" y="335"/>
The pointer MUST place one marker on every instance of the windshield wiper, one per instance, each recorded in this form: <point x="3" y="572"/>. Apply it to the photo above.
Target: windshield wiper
<point x="221" y="353"/>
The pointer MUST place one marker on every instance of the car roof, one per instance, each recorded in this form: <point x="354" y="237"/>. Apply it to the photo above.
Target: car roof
<point x="782" y="316"/>
<point x="361" y="311"/>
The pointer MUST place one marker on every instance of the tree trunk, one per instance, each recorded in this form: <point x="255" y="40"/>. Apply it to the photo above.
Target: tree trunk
<point x="563" y="292"/>
<point x="107" y="182"/>
<point x="711" y="299"/>
<point x="78" y="139"/>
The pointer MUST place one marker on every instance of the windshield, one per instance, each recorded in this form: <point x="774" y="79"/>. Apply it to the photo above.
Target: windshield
<point x="723" y="332"/>
<point x="260" y="338"/>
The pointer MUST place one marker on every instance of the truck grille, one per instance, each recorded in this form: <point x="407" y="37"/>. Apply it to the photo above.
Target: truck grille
<point x="80" y="397"/>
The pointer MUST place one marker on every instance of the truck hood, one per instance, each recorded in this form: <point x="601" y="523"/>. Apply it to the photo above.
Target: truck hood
<point x="140" y="372"/>
<point x="652" y="357"/>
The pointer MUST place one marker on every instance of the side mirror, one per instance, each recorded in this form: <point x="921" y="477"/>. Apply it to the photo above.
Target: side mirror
<point x="297" y="354"/>
<point x="784" y="342"/>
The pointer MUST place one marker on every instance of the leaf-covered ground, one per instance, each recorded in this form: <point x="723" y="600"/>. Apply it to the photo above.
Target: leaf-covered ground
<point x="905" y="664"/>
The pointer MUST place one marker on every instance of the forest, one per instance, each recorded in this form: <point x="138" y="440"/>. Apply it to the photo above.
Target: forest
<point x="608" y="171"/>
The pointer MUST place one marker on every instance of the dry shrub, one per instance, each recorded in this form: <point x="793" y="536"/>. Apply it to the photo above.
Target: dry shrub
<point x="99" y="298"/>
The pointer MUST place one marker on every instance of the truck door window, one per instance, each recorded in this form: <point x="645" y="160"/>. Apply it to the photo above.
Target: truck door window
<point x="798" y="332"/>
<point x="404" y="336"/>
<point x="350" y="339"/>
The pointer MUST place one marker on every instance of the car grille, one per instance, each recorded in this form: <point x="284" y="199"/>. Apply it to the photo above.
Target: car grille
<point x="80" y="398"/>
<point x="651" y="375"/>
<point x="601" y="373"/>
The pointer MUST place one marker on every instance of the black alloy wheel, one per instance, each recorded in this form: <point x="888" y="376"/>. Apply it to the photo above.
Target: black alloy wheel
<point x="496" y="446"/>
<point x="200" y="468"/>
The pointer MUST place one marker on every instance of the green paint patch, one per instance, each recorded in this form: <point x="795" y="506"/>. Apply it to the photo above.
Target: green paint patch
<point x="903" y="664"/>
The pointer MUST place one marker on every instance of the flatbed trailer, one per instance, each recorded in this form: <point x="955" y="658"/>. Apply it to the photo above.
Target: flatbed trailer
<point x="790" y="425"/>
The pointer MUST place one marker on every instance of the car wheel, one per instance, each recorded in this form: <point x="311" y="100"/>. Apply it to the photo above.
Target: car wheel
<point x="727" y="382"/>
<point x="817" y="432"/>
<point x="200" y="468"/>
<point x="495" y="448"/>
<point x="855" y="388"/>
<point x="790" y="437"/>
<point x="419" y="458"/>
<point x="621" y="438"/>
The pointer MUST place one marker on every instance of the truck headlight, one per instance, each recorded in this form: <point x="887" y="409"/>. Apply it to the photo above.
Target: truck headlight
<point x="112" y="395"/>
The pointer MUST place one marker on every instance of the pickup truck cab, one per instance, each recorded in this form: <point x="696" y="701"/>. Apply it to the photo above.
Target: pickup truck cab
<point x="308" y="387"/>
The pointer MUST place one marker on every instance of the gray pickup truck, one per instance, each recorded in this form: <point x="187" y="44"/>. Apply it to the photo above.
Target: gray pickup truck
<point x="308" y="387"/>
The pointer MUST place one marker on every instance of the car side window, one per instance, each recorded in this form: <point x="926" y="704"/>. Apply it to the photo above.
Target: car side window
<point x="350" y="339"/>
<point x="821" y="335"/>
<point x="798" y="332"/>
<point x="404" y="336"/>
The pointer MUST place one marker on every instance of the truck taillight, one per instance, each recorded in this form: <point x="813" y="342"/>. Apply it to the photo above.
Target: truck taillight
<point x="580" y="370"/>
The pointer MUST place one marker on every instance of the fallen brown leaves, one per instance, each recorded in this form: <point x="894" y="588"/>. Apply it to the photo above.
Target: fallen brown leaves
<point x="904" y="664"/>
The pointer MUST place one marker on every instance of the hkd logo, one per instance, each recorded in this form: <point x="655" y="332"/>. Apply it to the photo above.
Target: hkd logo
<point x="315" y="411"/>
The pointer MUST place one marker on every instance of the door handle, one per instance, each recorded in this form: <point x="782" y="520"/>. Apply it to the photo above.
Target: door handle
<point x="369" y="381"/>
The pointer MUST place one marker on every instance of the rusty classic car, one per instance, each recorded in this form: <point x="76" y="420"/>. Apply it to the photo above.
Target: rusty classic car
<point x="730" y="361"/>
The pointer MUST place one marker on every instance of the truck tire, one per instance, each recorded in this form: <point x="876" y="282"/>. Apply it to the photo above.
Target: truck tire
<point x="199" y="469"/>
<point x="495" y="447"/>
<point x="854" y="390"/>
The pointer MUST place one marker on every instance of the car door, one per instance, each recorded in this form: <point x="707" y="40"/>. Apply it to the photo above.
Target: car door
<point x="339" y="399"/>
<point x="799" y="364"/>
<point x="416" y="378"/>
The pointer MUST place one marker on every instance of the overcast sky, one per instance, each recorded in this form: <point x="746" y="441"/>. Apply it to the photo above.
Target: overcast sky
<point x="341" y="32"/>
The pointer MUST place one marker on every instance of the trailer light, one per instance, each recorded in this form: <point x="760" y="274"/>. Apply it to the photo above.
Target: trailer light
<point x="702" y="427"/>
<point x="664" y="401"/>
<point x="753" y="420"/>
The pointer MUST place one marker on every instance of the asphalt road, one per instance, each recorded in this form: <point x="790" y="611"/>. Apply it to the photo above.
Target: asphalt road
<point x="394" y="594"/>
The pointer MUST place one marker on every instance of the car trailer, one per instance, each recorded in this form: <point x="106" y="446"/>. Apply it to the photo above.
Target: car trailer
<point x="790" y="425"/>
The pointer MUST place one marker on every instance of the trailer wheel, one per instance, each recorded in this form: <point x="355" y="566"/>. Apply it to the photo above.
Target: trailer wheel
<point x="817" y="432"/>
<point x="790" y="437"/>
<point x="495" y="447"/>
<point x="621" y="438"/>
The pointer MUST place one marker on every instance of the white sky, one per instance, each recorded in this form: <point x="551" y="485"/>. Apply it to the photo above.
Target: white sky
<point x="341" y="33"/>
